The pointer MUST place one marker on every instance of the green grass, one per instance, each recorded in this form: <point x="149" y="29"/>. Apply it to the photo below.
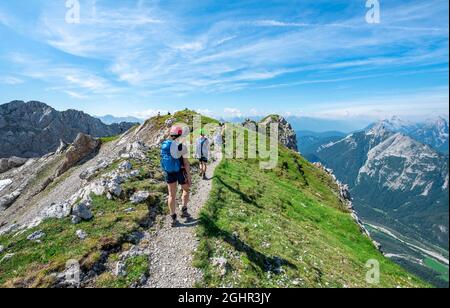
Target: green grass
<point x="135" y="268"/>
<point x="438" y="267"/>
<point x="185" y="116"/>
<point x="274" y="117"/>
<point x="292" y="216"/>
<point x="109" y="139"/>
<point x="33" y="262"/>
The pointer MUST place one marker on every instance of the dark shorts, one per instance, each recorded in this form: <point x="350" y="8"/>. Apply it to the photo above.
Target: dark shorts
<point x="177" y="177"/>
<point x="203" y="160"/>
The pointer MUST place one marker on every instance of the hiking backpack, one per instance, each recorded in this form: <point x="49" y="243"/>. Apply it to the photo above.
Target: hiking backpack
<point x="169" y="163"/>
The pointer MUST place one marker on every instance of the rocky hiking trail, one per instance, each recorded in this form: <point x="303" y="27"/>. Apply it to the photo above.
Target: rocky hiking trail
<point x="100" y="204"/>
<point x="172" y="249"/>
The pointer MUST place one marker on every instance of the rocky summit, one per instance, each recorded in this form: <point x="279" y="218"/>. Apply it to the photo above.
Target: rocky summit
<point x="286" y="134"/>
<point x="33" y="129"/>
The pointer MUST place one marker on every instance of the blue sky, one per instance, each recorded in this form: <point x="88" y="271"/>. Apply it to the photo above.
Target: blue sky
<point x="228" y="58"/>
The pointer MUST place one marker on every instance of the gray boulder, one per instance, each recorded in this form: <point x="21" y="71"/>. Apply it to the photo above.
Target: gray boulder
<point x="36" y="236"/>
<point x="134" y="173"/>
<point x="82" y="210"/>
<point x="7" y="164"/>
<point x="114" y="189"/>
<point x="139" y="197"/>
<point x="83" y="146"/>
<point x="58" y="210"/>
<point x="5" y="183"/>
<point x="126" y="165"/>
<point x="70" y="278"/>
<point x="7" y="200"/>
<point x="81" y="234"/>
<point x="75" y="220"/>
<point x="221" y="264"/>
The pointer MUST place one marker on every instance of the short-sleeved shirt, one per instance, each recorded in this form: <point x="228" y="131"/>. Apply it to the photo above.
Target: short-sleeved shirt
<point x="202" y="148"/>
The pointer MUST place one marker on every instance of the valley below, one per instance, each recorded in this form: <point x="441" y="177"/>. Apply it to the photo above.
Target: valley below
<point x="424" y="260"/>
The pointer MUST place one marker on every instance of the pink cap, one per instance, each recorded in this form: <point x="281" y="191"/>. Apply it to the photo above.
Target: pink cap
<point x="176" y="131"/>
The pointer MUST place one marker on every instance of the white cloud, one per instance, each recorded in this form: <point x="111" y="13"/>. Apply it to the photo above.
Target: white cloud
<point x="5" y="19"/>
<point x="418" y="105"/>
<point x="75" y="94"/>
<point x="65" y="78"/>
<point x="84" y="81"/>
<point x="145" y="114"/>
<point x="153" y="52"/>
<point x="149" y="47"/>
<point x="206" y="112"/>
<point x="194" y="46"/>
<point x="233" y="112"/>
<point x="276" y="23"/>
<point x="10" y="80"/>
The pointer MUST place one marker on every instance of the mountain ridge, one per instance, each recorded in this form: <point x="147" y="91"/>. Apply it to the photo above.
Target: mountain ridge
<point x="397" y="182"/>
<point x="34" y="129"/>
<point x="432" y="132"/>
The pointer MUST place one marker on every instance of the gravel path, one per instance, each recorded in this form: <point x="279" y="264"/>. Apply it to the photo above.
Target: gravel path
<point x="172" y="249"/>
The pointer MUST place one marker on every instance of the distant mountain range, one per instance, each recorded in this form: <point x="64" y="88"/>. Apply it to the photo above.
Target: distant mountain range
<point x="34" y="129"/>
<point x="431" y="132"/>
<point x="311" y="124"/>
<point x="110" y="119"/>
<point x="308" y="142"/>
<point x="398" y="173"/>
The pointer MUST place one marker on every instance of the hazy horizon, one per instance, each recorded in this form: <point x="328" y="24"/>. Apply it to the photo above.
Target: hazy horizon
<point x="299" y="122"/>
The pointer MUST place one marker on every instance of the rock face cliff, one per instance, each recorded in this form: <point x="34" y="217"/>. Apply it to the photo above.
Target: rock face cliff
<point x="34" y="129"/>
<point x="393" y="174"/>
<point x="286" y="134"/>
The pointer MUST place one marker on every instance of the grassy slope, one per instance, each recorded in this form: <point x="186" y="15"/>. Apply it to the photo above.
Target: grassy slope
<point x="33" y="263"/>
<point x="290" y="216"/>
<point x="185" y="116"/>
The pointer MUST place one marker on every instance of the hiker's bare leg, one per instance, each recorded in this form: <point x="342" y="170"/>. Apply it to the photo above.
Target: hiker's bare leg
<point x="172" y="198"/>
<point x="203" y="168"/>
<point x="186" y="191"/>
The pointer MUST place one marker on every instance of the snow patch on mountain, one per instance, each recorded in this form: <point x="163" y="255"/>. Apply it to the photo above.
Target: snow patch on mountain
<point x="348" y="140"/>
<point x="427" y="189"/>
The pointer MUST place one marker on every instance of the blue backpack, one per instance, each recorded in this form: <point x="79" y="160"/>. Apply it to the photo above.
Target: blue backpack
<point x="169" y="163"/>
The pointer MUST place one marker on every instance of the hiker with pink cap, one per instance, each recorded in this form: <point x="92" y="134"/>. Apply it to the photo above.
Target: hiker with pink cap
<point x="176" y="168"/>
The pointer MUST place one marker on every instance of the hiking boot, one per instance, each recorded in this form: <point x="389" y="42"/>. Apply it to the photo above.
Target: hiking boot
<point x="185" y="213"/>
<point x="174" y="221"/>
